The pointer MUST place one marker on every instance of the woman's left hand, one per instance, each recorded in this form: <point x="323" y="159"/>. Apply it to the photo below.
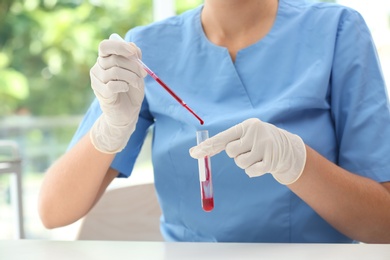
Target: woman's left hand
<point x="258" y="148"/>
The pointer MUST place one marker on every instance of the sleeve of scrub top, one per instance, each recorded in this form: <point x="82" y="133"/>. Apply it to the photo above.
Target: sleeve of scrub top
<point x="360" y="104"/>
<point x="124" y="161"/>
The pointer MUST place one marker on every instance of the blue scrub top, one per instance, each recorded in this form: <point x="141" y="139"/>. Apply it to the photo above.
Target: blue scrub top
<point x="315" y="74"/>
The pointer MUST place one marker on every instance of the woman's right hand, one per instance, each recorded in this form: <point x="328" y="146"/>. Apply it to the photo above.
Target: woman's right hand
<point x="117" y="81"/>
<point x="76" y="181"/>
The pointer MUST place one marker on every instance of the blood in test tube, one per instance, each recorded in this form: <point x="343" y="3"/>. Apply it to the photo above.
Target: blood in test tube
<point x="205" y="176"/>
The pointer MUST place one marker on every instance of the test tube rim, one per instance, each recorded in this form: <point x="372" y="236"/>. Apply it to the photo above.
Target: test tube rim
<point x="202" y="135"/>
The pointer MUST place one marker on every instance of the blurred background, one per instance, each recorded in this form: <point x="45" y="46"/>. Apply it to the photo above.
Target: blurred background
<point x="46" y="50"/>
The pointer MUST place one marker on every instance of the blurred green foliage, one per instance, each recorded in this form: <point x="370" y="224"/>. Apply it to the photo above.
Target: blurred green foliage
<point x="48" y="46"/>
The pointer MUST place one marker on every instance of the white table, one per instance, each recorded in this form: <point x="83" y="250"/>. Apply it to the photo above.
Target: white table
<point x="114" y="250"/>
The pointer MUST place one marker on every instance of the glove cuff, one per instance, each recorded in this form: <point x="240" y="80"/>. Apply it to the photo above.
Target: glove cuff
<point x="110" y="139"/>
<point x="295" y="158"/>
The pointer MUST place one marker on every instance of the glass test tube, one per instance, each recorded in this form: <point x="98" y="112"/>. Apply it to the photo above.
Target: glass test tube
<point x="206" y="184"/>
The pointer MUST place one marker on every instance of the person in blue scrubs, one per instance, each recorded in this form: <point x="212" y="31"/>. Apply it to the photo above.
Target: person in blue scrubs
<point x="295" y="102"/>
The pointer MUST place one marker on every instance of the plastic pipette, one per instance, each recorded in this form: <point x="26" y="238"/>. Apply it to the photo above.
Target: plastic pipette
<point x="159" y="81"/>
<point x="170" y="91"/>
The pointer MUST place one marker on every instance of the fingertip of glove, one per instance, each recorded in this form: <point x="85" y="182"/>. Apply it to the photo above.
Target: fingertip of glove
<point x="195" y="152"/>
<point x="113" y="46"/>
<point x="191" y="152"/>
<point x="115" y="36"/>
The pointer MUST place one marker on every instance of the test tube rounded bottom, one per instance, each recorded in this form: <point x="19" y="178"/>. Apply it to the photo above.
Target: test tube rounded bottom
<point x="207" y="203"/>
<point x="205" y="179"/>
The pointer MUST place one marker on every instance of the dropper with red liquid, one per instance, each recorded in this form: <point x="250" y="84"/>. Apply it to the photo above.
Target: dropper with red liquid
<point x="159" y="81"/>
<point x="170" y="91"/>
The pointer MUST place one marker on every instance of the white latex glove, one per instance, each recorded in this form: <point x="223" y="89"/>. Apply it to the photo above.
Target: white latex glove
<point x="117" y="81"/>
<point x="259" y="148"/>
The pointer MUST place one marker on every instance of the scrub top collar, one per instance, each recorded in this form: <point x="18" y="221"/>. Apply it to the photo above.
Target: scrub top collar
<point x="267" y="39"/>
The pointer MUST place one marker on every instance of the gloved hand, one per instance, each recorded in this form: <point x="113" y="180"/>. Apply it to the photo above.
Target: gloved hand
<point x="258" y="148"/>
<point x="117" y="81"/>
